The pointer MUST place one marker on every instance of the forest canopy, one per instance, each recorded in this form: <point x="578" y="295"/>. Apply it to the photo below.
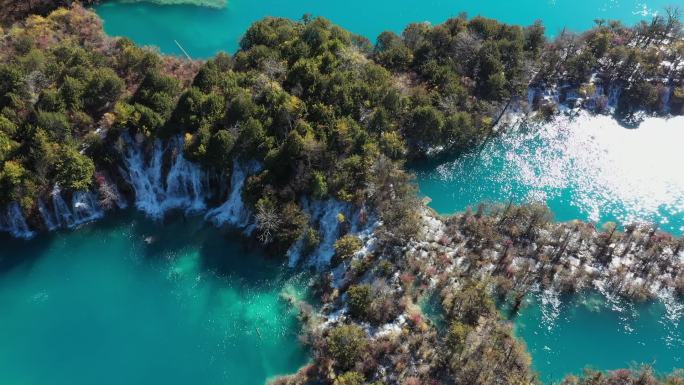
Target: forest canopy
<point x="327" y="112"/>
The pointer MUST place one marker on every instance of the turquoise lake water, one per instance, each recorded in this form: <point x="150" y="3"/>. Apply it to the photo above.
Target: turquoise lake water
<point x="566" y="335"/>
<point x="203" y="31"/>
<point x="169" y="320"/>
<point x="590" y="168"/>
<point x="586" y="167"/>
<point x="101" y="306"/>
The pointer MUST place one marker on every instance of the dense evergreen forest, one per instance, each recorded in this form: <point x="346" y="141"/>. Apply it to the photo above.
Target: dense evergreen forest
<point x="327" y="114"/>
<point x="321" y="108"/>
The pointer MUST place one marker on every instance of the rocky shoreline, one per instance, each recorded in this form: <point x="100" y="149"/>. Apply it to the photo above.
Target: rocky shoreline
<point x="467" y="261"/>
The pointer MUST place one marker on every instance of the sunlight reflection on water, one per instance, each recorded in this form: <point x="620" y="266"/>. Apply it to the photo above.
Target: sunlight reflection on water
<point x="584" y="167"/>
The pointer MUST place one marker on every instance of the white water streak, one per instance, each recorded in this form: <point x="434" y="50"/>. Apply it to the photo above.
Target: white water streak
<point x="233" y="211"/>
<point x="184" y="186"/>
<point x="13" y="222"/>
<point x="84" y="208"/>
<point x="324" y="216"/>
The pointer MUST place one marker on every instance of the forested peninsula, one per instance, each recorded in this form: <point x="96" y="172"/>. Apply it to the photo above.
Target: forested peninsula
<point x="300" y="140"/>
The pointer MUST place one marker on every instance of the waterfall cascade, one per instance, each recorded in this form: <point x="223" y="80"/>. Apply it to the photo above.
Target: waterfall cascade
<point x="61" y="211"/>
<point x="665" y="98"/>
<point x="13" y="222"/>
<point x="233" y="211"/>
<point x="531" y="92"/>
<point x="613" y="97"/>
<point x="184" y="186"/>
<point x="324" y="216"/>
<point x="47" y="216"/>
<point x="84" y="208"/>
<point x="571" y="95"/>
<point x="551" y="95"/>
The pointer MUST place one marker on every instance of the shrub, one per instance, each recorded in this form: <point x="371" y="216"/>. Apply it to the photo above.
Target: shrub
<point x="347" y="344"/>
<point x="293" y="222"/>
<point x="220" y="149"/>
<point x="469" y="303"/>
<point x="103" y="88"/>
<point x="456" y="336"/>
<point x="347" y="246"/>
<point x="391" y="52"/>
<point x="392" y="144"/>
<point x="74" y="170"/>
<point x="350" y="378"/>
<point x="7" y="126"/>
<point x="426" y="124"/>
<point x="311" y="240"/>
<point x="12" y="178"/>
<point x="360" y="297"/>
<point x="319" y="186"/>
<point x="55" y="124"/>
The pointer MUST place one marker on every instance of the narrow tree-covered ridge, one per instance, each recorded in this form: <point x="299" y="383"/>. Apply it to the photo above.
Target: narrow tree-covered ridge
<point x="308" y="99"/>
<point x="13" y="10"/>
<point x="299" y="141"/>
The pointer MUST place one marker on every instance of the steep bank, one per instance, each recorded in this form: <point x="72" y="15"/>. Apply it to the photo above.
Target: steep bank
<point x="259" y="105"/>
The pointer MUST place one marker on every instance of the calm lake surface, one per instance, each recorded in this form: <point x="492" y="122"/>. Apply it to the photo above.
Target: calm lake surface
<point x="203" y="31"/>
<point x="565" y="335"/>
<point x="100" y="305"/>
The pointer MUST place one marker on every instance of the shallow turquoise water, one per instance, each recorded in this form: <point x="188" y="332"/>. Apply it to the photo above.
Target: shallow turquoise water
<point x="588" y="168"/>
<point x="566" y="336"/>
<point x="205" y="31"/>
<point x="593" y="169"/>
<point x="101" y="306"/>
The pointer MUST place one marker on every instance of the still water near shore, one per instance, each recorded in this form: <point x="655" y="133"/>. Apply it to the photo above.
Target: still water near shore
<point x="568" y="334"/>
<point x="128" y="301"/>
<point x="203" y="31"/>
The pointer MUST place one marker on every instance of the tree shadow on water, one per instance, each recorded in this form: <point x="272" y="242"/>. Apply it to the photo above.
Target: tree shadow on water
<point x="224" y="253"/>
<point x="221" y="253"/>
<point x="23" y="253"/>
<point x="15" y="253"/>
